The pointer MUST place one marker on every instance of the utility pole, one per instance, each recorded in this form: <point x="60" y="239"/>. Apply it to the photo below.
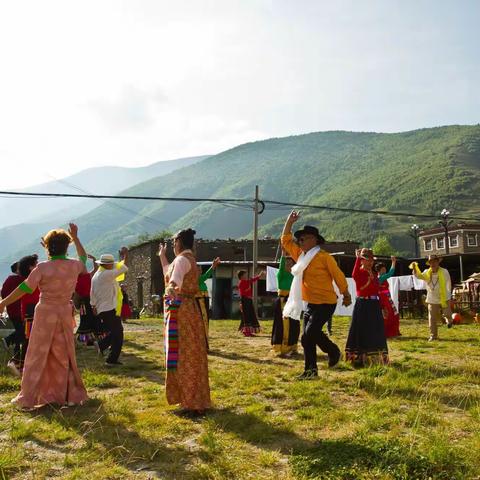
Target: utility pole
<point x="255" y="248"/>
<point x="415" y="229"/>
<point x="445" y="222"/>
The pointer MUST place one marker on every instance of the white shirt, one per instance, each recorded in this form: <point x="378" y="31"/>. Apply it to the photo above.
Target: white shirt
<point x="433" y="287"/>
<point x="104" y="290"/>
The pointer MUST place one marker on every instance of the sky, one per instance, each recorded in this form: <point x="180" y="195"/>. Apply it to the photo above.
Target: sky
<point x="129" y="83"/>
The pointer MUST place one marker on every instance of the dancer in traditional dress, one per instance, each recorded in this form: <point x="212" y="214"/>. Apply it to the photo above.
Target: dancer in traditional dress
<point x="204" y="299"/>
<point x="27" y="303"/>
<point x="366" y="342"/>
<point x="185" y="340"/>
<point x="285" y="330"/>
<point x="105" y="300"/>
<point x="314" y="272"/>
<point x="249" y="325"/>
<point x="126" y="311"/>
<point x="17" y="338"/>
<point x="50" y="374"/>
<point x="391" y="318"/>
<point x="439" y="293"/>
<point x="89" y="328"/>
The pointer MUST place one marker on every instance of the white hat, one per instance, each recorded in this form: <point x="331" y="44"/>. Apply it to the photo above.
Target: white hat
<point x="106" y="259"/>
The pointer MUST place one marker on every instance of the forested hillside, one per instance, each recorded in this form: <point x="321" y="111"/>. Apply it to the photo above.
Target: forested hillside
<point x="419" y="171"/>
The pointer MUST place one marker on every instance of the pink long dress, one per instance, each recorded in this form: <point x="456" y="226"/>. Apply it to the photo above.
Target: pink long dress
<point x="50" y="374"/>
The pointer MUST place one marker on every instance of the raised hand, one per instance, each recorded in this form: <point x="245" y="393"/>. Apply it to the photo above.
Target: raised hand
<point x="293" y="216"/>
<point x="162" y="250"/>
<point x="73" y="230"/>
<point x="216" y="262"/>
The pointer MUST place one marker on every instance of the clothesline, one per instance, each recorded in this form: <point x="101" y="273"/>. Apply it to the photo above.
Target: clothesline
<point x="396" y="284"/>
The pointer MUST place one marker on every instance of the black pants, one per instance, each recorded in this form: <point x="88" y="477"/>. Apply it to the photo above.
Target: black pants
<point x="114" y="338"/>
<point x="314" y="319"/>
<point x="17" y="338"/>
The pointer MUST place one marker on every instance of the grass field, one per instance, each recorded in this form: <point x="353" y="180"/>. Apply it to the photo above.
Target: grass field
<point x="415" y="419"/>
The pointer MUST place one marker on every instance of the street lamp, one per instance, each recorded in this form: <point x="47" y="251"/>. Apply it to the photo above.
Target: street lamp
<point x="445" y="222"/>
<point x="415" y="231"/>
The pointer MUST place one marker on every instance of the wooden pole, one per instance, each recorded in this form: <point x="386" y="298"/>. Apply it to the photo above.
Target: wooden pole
<point x="255" y="248"/>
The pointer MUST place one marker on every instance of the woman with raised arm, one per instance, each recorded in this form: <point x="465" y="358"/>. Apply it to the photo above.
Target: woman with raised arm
<point x="366" y="342"/>
<point x="185" y="337"/>
<point x="50" y="374"/>
<point x="391" y="318"/>
<point x="285" y="330"/>
<point x="89" y="327"/>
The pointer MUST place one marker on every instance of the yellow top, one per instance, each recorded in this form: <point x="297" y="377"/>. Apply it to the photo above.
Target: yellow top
<point x="317" y="285"/>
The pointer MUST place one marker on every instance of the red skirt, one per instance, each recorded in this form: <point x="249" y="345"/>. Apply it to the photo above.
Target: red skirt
<point x="391" y="318"/>
<point x="126" y="311"/>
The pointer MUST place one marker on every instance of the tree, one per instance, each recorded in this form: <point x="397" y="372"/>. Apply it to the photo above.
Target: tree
<point x="382" y="246"/>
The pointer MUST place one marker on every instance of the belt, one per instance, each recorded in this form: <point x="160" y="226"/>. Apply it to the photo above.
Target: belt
<point x="371" y="297"/>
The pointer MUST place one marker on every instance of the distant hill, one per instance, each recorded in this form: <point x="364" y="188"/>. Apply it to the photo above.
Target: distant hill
<point x="99" y="180"/>
<point x="34" y="216"/>
<point x="419" y="171"/>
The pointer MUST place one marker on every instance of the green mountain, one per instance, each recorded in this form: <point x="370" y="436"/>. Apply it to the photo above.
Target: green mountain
<point x="421" y="171"/>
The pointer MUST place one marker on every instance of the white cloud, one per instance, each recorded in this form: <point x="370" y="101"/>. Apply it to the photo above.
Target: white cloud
<point x="129" y="83"/>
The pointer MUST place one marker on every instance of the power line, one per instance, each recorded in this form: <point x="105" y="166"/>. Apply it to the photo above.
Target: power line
<point x="357" y="210"/>
<point x="120" y="207"/>
<point x="240" y="203"/>
<point x="126" y="197"/>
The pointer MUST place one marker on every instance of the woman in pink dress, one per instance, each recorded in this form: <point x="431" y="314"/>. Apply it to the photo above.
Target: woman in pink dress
<point x="50" y="374"/>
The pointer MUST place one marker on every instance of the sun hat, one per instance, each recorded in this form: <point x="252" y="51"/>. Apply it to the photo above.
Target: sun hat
<point x="434" y="257"/>
<point x="106" y="259"/>
<point x="309" y="230"/>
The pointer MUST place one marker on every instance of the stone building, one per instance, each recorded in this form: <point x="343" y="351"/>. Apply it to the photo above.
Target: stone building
<point x="145" y="276"/>
<point x="462" y="238"/>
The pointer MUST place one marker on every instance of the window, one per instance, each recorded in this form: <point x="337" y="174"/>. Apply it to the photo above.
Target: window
<point x="453" y="241"/>
<point x="428" y="245"/>
<point x="440" y="243"/>
<point x="472" y="240"/>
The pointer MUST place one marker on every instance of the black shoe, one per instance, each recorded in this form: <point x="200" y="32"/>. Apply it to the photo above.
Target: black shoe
<point x="113" y="364"/>
<point x="450" y="325"/>
<point x="6" y="346"/>
<point x="97" y="347"/>
<point x="334" y="359"/>
<point x="308" y="375"/>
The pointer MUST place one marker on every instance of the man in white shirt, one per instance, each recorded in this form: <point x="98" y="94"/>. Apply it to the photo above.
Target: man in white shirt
<point x="104" y="300"/>
<point x="439" y="293"/>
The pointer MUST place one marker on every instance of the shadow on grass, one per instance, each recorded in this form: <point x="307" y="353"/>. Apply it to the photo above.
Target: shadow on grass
<point x="374" y="458"/>
<point x="134" y="366"/>
<point x="256" y="431"/>
<point x="107" y="436"/>
<point x="413" y="383"/>
<point x="441" y="340"/>
<point x="245" y="358"/>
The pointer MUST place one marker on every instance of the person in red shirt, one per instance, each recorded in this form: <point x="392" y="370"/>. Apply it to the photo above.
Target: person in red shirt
<point x="89" y="323"/>
<point x="249" y="324"/>
<point x="17" y="338"/>
<point x="27" y="307"/>
<point x="366" y="342"/>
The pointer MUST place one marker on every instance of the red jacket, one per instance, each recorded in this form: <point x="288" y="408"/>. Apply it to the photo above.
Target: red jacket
<point x="245" y="286"/>
<point x="9" y="285"/>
